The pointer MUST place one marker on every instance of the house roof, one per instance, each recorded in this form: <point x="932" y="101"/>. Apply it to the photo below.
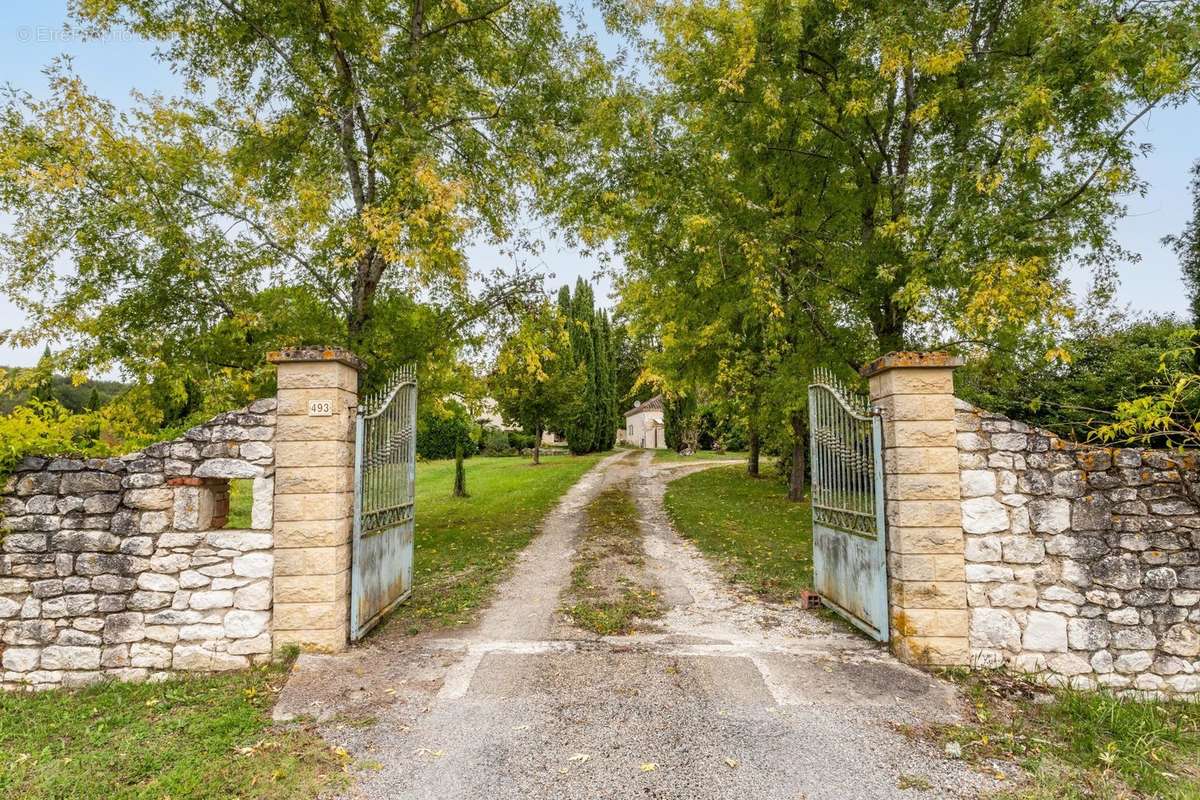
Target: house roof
<point x="653" y="404"/>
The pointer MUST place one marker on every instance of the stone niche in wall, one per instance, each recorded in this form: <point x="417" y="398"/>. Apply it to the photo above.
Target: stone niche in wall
<point x="124" y="567"/>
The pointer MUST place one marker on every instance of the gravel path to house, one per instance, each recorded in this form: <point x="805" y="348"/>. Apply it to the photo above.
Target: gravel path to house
<point x="724" y="697"/>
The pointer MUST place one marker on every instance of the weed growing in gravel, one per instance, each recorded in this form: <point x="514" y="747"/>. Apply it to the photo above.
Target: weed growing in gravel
<point x="608" y="592"/>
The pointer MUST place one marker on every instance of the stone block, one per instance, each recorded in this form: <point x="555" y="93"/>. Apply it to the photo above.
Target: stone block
<point x="1050" y="515"/>
<point x="314" y="454"/>
<point x="1014" y="595"/>
<point x="1092" y="512"/>
<point x="336" y="428"/>
<point x="313" y="375"/>
<point x="85" y="542"/>
<point x="312" y="588"/>
<point x="933" y="651"/>
<point x="314" y="480"/>
<point x="925" y="567"/>
<point x="1045" y="632"/>
<point x="922" y="513"/>
<point x="928" y="594"/>
<point x="55" y="657"/>
<point x="982" y="548"/>
<point x="240" y="540"/>
<point x="123" y="628"/>
<point x="329" y="640"/>
<point x="320" y="533"/>
<point x="241" y="624"/>
<point x="993" y="627"/>
<point x="1088" y="634"/>
<point x="307" y="561"/>
<point x="982" y="515"/>
<point x="158" y="498"/>
<point x="309" y="616"/>
<point x="154" y="521"/>
<point x="977" y="483"/>
<point x="254" y="565"/>
<point x="85" y="483"/>
<point x="263" y="503"/>
<point x="229" y="468"/>
<point x="193" y="508"/>
<point x="984" y="573"/>
<point x="151" y="655"/>
<point x="257" y="596"/>
<point x="1023" y="549"/>
<point x="20" y="659"/>
<point x="930" y="622"/>
<point x="203" y="600"/>
<point x="310" y="507"/>
<point x="258" y="644"/>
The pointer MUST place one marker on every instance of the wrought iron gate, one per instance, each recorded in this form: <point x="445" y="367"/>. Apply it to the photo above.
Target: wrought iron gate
<point x="385" y="458"/>
<point x="849" y="530"/>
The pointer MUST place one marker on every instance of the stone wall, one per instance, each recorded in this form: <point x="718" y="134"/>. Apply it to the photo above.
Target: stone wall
<point x="1082" y="563"/>
<point x="121" y="567"/>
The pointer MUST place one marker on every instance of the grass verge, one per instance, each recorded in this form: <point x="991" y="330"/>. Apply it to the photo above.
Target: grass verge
<point x="192" y="737"/>
<point x="609" y="594"/>
<point x="241" y="499"/>
<point x="465" y="544"/>
<point x="762" y="540"/>
<point x="665" y="456"/>
<point x="1079" y="745"/>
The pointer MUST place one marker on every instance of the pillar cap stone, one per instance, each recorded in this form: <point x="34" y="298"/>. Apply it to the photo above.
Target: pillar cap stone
<point x="314" y="354"/>
<point x="910" y="359"/>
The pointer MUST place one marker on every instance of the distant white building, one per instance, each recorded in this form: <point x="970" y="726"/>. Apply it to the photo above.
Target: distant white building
<point x="644" y="425"/>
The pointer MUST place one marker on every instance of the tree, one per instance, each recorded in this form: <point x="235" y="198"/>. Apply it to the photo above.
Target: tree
<point x="327" y="163"/>
<point x="93" y="401"/>
<point x="535" y="382"/>
<point x="1187" y="247"/>
<point x="460" y="472"/>
<point x="915" y="175"/>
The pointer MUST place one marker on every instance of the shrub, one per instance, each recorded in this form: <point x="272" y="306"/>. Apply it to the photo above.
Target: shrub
<point x="494" y="442"/>
<point x="439" y="429"/>
<point x="520" y="441"/>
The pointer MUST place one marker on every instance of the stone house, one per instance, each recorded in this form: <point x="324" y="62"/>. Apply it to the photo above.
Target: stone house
<point x="644" y="425"/>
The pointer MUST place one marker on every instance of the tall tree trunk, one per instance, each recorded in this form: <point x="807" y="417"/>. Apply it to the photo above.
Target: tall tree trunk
<point x="796" y="479"/>
<point x="460" y="473"/>
<point x="537" y="446"/>
<point x="752" y="463"/>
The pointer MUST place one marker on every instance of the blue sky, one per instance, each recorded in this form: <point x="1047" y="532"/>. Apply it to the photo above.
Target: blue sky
<point x="31" y="35"/>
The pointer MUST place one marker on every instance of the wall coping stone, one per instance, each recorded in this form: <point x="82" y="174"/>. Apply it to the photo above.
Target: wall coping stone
<point x="908" y="359"/>
<point x="294" y="355"/>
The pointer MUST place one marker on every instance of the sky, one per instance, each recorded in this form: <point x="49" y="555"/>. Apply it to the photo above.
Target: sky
<point x="31" y="35"/>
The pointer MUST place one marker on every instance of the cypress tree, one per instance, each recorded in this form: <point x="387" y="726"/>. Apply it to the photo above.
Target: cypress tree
<point x="600" y="409"/>
<point x="581" y="431"/>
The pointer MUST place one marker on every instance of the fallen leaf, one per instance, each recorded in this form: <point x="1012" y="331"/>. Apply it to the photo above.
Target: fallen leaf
<point x="732" y="763"/>
<point x="580" y="757"/>
<point x="649" y="766"/>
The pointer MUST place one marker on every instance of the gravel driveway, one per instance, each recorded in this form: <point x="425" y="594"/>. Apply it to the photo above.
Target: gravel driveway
<point x="726" y="698"/>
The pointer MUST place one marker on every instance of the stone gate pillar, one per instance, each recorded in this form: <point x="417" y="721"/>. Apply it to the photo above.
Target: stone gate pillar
<point x="926" y="580"/>
<point x="314" y="491"/>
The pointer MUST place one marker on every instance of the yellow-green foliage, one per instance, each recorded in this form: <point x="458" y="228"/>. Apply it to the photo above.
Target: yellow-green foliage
<point x="48" y="428"/>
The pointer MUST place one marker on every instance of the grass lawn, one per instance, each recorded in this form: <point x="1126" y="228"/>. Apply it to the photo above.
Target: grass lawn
<point x="194" y="738"/>
<point x="464" y="545"/>
<point x="241" y="498"/>
<point x="1077" y="746"/>
<point x="761" y="539"/>
<point x="662" y="456"/>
